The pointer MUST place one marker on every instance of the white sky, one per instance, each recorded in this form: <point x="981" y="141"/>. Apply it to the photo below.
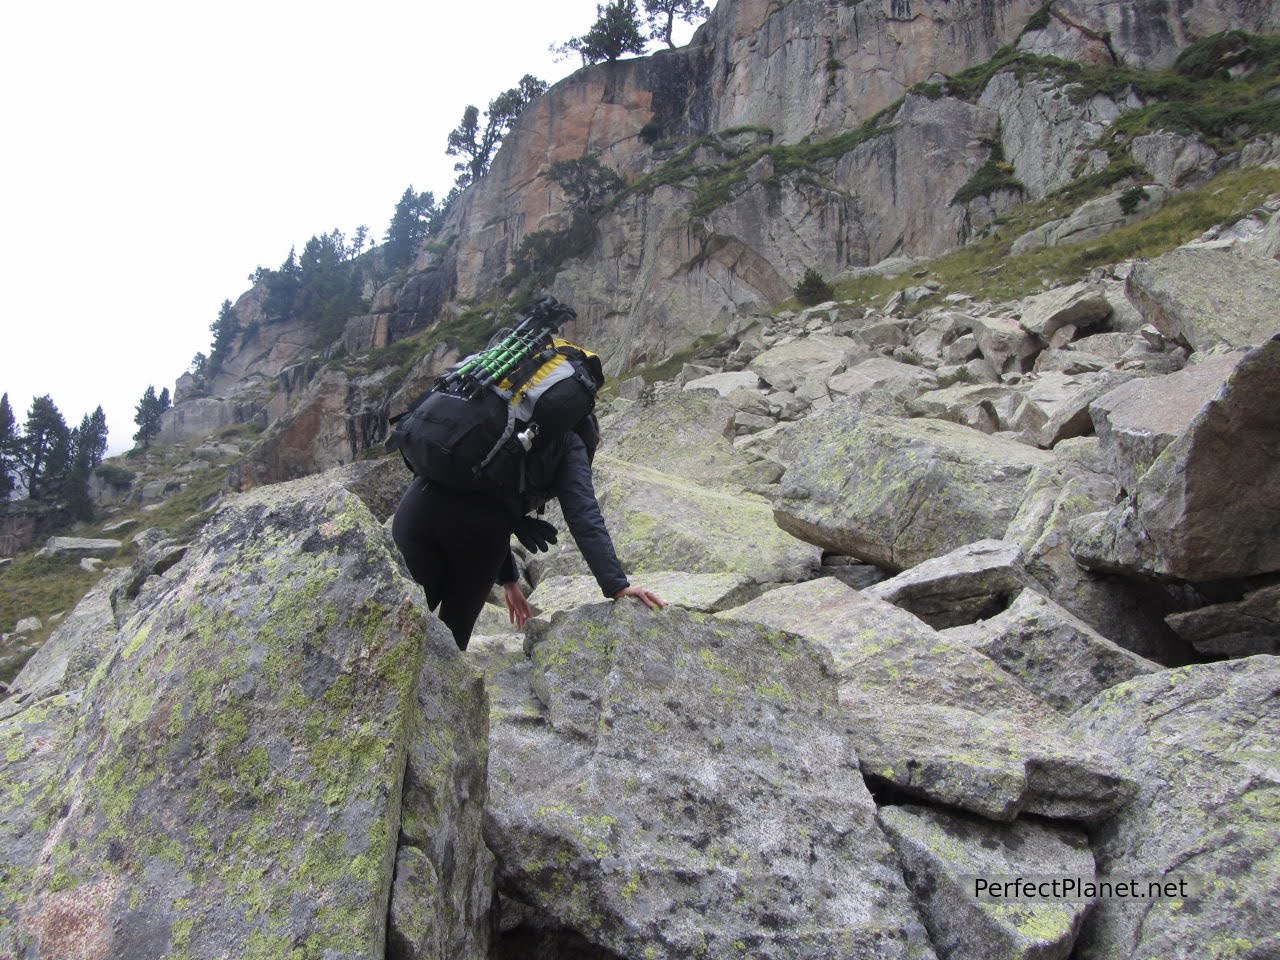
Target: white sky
<point x="155" y="153"/>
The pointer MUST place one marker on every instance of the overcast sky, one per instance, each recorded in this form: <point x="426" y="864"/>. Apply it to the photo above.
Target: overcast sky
<point x="155" y="153"/>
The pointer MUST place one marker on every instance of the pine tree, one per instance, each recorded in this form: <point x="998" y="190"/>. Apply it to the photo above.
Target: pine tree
<point x="224" y="331"/>
<point x="617" y="31"/>
<point x="147" y="415"/>
<point x="8" y="448"/>
<point x="44" y="450"/>
<point x="415" y="217"/>
<point x="88" y="446"/>
<point x="661" y="16"/>
<point x="479" y="143"/>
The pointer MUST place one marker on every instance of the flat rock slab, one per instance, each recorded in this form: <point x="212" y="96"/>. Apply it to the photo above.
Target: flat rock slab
<point x="938" y="720"/>
<point x="1240" y="629"/>
<point x="725" y="383"/>
<point x="232" y="784"/>
<point x="1208" y="298"/>
<point x="705" y="592"/>
<point x="898" y="492"/>
<point x="679" y="787"/>
<point x="660" y="522"/>
<point x="898" y="379"/>
<point x="1202" y="741"/>
<point x="943" y="853"/>
<point x="689" y="435"/>
<point x="1054" y="653"/>
<point x="988" y="407"/>
<point x="80" y="547"/>
<point x="979" y="580"/>
<point x="791" y="365"/>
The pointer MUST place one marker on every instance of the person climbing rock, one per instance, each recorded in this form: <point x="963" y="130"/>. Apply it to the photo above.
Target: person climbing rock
<point x="455" y="521"/>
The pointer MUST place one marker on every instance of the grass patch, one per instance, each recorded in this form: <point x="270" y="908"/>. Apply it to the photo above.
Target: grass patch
<point x="34" y="586"/>
<point x="1199" y="95"/>
<point x="469" y="331"/>
<point x="239" y="431"/>
<point x="714" y="183"/>
<point x="986" y="269"/>
<point x="183" y="514"/>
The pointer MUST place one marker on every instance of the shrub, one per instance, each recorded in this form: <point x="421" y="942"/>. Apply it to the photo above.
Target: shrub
<point x="813" y="289"/>
<point x="114" y="476"/>
<point x="1131" y="199"/>
<point x="995" y="174"/>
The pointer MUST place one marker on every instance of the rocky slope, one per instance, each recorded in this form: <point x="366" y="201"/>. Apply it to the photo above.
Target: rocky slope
<point x="961" y="584"/>
<point x="260" y="744"/>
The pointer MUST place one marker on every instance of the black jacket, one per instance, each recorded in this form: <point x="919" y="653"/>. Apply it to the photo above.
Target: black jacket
<point x="563" y="472"/>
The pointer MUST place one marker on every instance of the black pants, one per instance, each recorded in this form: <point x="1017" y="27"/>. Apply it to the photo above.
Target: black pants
<point x="454" y="544"/>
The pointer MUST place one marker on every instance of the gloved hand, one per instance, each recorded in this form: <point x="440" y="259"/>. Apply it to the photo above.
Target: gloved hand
<point x="535" y="534"/>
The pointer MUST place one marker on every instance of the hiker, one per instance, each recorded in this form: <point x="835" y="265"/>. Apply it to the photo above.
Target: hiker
<point x="456" y="542"/>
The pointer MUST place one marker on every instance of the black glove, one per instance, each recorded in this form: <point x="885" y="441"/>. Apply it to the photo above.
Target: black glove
<point x="535" y="534"/>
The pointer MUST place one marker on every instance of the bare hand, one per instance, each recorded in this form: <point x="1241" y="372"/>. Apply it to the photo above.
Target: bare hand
<point x="517" y="606"/>
<point x="651" y="599"/>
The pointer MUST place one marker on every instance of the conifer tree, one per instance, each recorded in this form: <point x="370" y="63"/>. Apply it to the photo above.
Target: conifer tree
<point x="224" y="331"/>
<point x="617" y="31"/>
<point x="478" y="143"/>
<point x="8" y="447"/>
<point x="415" y="218"/>
<point x="44" y="450"/>
<point x="661" y="16"/>
<point x="88" y="446"/>
<point x="147" y="415"/>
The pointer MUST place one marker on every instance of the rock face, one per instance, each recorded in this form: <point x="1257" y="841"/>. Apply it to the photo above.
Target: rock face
<point x="1201" y="741"/>
<point x="1177" y="521"/>
<point x="896" y="493"/>
<point x="231" y="781"/>
<point x="1150" y="33"/>
<point x="1045" y="135"/>
<point x="263" y="349"/>
<point x="204" y="416"/>
<point x="637" y="795"/>
<point x="937" y="720"/>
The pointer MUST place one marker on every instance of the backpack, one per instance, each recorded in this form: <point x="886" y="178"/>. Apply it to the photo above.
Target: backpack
<point x="474" y="428"/>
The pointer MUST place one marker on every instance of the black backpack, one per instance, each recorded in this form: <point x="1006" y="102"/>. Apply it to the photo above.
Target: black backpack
<point x="473" y="429"/>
